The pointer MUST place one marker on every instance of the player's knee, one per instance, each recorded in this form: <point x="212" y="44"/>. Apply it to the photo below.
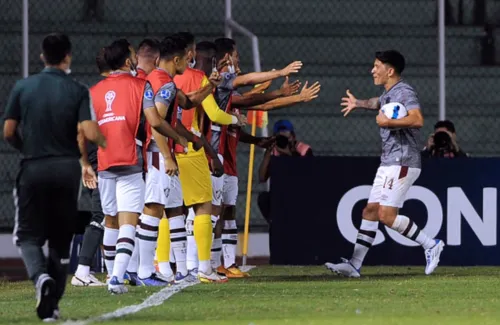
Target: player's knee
<point x="111" y="222"/>
<point x="174" y="212"/>
<point x="370" y="212"/>
<point x="229" y="212"/>
<point x="387" y="215"/>
<point x="153" y="209"/>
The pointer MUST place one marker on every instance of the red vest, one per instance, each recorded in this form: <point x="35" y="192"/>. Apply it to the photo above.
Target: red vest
<point x="158" y="78"/>
<point x="188" y="82"/>
<point x="117" y="102"/>
<point x="229" y="138"/>
<point x="141" y="74"/>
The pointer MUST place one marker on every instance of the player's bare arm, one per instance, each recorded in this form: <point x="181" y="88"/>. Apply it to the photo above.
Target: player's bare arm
<point x="306" y="95"/>
<point x="254" y="78"/>
<point x="89" y="178"/>
<point x="92" y="133"/>
<point x="252" y="99"/>
<point x="262" y="142"/>
<point x="163" y="127"/>
<point x="350" y="103"/>
<point x="414" y="119"/>
<point x="264" y="166"/>
<point x="194" y="139"/>
<point x="11" y="134"/>
<point x="258" y="89"/>
<point x="194" y="99"/>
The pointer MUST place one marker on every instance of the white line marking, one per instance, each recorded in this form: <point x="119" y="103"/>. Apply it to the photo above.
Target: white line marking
<point x="155" y="299"/>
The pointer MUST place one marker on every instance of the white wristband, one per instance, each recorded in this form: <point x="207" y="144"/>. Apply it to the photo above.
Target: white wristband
<point x="234" y="119"/>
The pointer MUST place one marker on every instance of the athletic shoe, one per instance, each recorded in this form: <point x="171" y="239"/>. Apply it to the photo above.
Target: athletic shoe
<point x="86" y="281"/>
<point x="115" y="287"/>
<point x="45" y="296"/>
<point x="156" y="280"/>
<point x="133" y="278"/>
<point x="432" y="256"/>
<point x="212" y="277"/>
<point x="345" y="268"/>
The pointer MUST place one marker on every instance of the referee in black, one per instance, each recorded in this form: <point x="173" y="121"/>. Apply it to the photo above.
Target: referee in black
<point x="43" y="117"/>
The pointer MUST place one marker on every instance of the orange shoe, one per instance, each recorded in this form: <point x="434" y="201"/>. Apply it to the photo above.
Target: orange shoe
<point x="232" y="272"/>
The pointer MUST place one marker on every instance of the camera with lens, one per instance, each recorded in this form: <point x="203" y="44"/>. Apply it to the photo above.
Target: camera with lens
<point x="443" y="144"/>
<point x="281" y="141"/>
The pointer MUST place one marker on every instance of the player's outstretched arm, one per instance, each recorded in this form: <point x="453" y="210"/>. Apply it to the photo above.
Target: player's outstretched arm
<point x="254" y="99"/>
<point x="306" y="94"/>
<point x="414" y="119"/>
<point x="254" y="78"/>
<point x="350" y="103"/>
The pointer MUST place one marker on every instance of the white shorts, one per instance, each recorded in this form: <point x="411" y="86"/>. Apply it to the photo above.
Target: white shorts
<point x="122" y="194"/>
<point x="161" y="188"/>
<point x="391" y="185"/>
<point x="173" y="193"/>
<point x="217" y="184"/>
<point x="230" y="190"/>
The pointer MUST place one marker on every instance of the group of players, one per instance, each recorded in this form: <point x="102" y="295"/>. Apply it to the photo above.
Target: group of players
<point x="173" y="110"/>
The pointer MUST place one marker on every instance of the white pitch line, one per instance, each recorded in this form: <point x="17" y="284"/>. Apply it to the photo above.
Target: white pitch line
<point x="155" y="299"/>
<point x="246" y="268"/>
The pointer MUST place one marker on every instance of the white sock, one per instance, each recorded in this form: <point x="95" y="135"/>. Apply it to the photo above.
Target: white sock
<point x="133" y="264"/>
<point x="364" y="241"/>
<point x="216" y="253"/>
<point x="124" y="249"/>
<point x="192" y="248"/>
<point x="109" y="244"/>
<point x="148" y="235"/>
<point x="172" y="256"/>
<point x="82" y="271"/>
<point x="205" y="267"/>
<point x="178" y="242"/>
<point x="229" y="242"/>
<point x="410" y="230"/>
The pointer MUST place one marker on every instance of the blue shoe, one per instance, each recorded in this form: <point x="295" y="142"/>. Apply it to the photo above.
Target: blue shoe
<point x="115" y="287"/>
<point x="132" y="278"/>
<point x="156" y="280"/>
<point x="193" y="272"/>
<point x="126" y="278"/>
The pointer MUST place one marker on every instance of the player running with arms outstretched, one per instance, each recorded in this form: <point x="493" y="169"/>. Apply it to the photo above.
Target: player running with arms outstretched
<point x="399" y="168"/>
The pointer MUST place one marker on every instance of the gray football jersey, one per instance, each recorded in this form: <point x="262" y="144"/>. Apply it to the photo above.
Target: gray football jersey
<point x="401" y="147"/>
<point x="222" y="96"/>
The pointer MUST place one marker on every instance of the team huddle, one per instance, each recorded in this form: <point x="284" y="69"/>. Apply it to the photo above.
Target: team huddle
<point x="170" y="114"/>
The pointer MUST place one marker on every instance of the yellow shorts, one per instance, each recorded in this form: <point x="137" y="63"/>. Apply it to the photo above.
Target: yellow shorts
<point x="194" y="175"/>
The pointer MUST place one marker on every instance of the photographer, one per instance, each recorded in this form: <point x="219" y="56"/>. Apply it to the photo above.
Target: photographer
<point x="285" y="144"/>
<point x="443" y="142"/>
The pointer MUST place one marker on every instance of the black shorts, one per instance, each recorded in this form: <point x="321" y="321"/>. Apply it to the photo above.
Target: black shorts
<point x="46" y="198"/>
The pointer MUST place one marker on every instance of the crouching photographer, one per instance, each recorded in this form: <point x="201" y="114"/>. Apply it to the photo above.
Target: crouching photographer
<point x="285" y="144"/>
<point x="443" y="142"/>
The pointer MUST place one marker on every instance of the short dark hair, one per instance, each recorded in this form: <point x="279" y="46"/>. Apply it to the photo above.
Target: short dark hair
<point x="117" y="53"/>
<point x="223" y="46"/>
<point x="447" y="124"/>
<point x="206" y="48"/>
<point x="55" y="47"/>
<point x="187" y="37"/>
<point x="149" y="47"/>
<point x="172" y="46"/>
<point x="392" y="58"/>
